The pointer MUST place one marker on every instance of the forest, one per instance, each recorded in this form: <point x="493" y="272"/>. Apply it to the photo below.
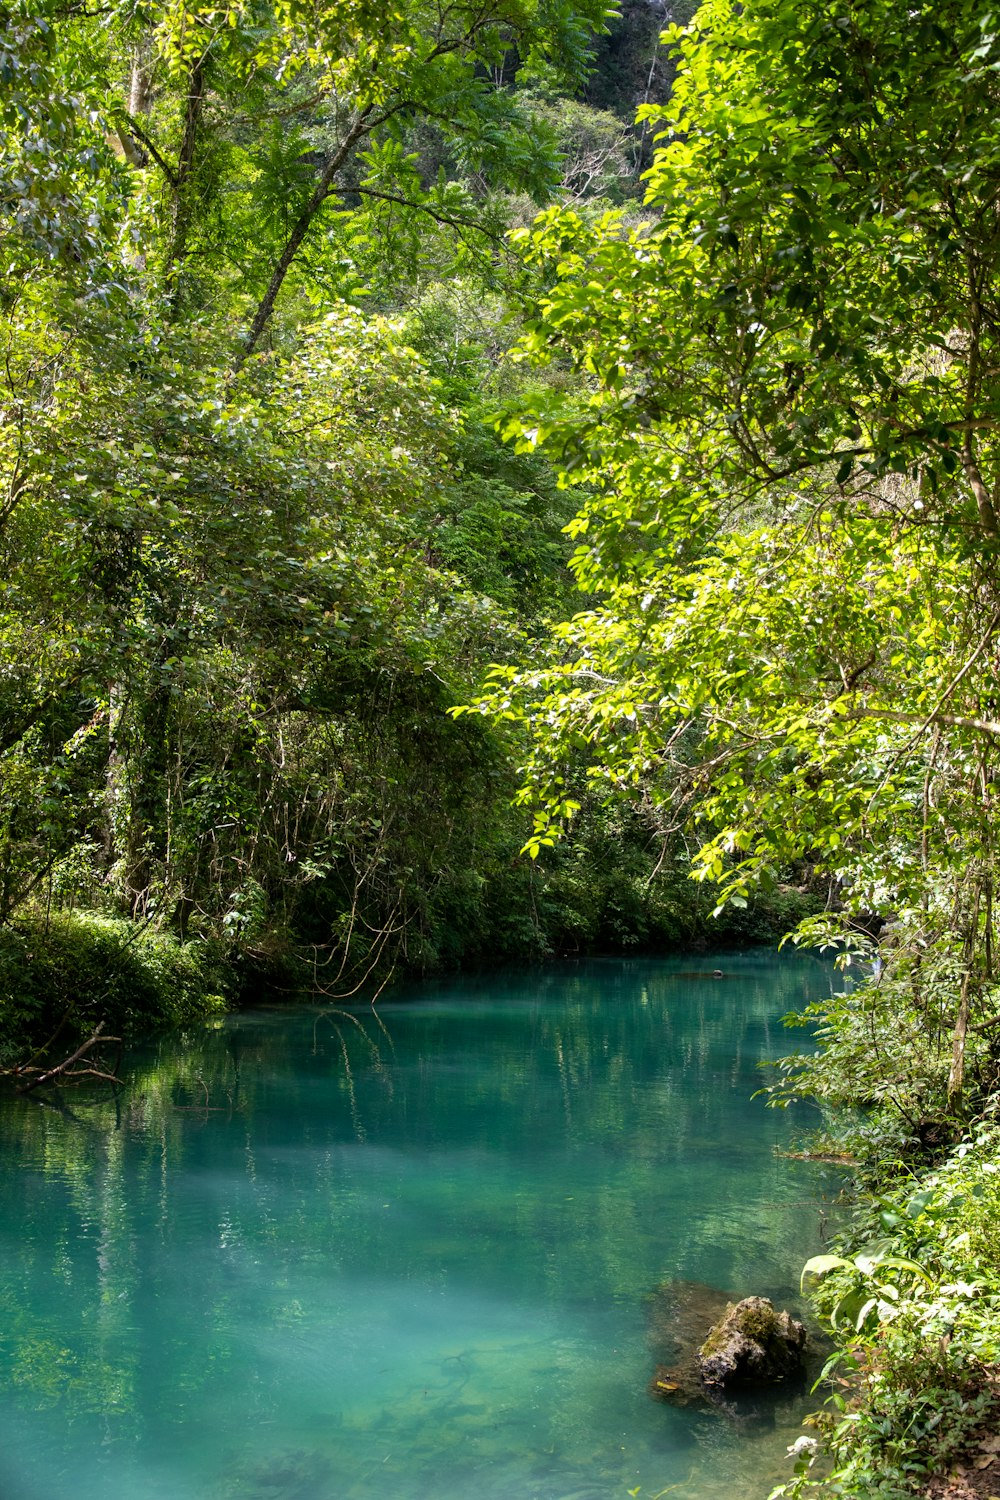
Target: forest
<point x="260" y="530"/>
<point x="505" y="478"/>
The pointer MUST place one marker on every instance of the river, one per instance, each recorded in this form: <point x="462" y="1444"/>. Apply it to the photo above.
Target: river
<point x="326" y="1254"/>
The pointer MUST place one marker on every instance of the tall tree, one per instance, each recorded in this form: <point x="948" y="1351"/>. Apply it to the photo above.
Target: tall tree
<point x="791" y="434"/>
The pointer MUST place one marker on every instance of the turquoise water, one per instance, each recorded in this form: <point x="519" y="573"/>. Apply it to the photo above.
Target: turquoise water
<point x="320" y="1255"/>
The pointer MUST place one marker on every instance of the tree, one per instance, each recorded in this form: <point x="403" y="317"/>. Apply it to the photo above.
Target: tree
<point x="791" y="435"/>
<point x="236" y="595"/>
<point x="243" y="139"/>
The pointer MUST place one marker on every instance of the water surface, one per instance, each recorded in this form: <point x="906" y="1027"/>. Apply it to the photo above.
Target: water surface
<point x="328" y="1255"/>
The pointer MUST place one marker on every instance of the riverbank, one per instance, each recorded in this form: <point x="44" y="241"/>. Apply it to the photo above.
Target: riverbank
<point x="977" y="1478"/>
<point x="912" y="1297"/>
<point x="64" y="973"/>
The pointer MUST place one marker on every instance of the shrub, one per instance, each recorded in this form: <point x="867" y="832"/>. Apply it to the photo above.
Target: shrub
<point x="914" y="1302"/>
<point x="76" y="970"/>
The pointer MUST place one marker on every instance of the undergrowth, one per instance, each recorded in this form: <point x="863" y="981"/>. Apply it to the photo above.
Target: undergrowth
<point x="911" y="1292"/>
<point x="64" y="974"/>
<point x="912" y="1297"/>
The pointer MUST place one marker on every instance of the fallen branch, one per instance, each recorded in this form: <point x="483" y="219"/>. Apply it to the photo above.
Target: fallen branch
<point x="62" y="1068"/>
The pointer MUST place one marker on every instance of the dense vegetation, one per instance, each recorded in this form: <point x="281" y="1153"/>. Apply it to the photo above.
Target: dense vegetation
<point x="270" y="273"/>
<point x="259" y="531"/>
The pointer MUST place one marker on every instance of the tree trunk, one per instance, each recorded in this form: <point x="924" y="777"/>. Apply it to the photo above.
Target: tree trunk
<point x="140" y="93"/>
<point x="956" y="1077"/>
<point x="147" y="781"/>
<point x="183" y="187"/>
<point x="140" y="98"/>
<point x="300" y="229"/>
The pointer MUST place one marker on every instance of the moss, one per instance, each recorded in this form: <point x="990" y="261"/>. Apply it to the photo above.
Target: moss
<point x="720" y="1334"/>
<point x="757" y="1321"/>
<point x="752" y="1321"/>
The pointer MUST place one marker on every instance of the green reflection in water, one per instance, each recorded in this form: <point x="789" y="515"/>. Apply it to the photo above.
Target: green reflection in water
<point x="320" y="1256"/>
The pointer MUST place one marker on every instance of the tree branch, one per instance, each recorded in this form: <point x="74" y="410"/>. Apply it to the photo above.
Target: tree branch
<point x="425" y="208"/>
<point x="91" y="1041"/>
<point x="959" y="721"/>
<point x="362" y="126"/>
<point x="144" y="140"/>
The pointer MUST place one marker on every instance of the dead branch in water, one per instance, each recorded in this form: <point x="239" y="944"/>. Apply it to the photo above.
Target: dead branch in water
<point x="64" y="1071"/>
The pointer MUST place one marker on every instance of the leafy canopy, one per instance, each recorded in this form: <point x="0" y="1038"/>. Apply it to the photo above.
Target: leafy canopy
<point x="788" y="420"/>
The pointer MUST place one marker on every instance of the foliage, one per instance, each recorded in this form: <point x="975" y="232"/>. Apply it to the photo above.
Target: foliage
<point x="782" y="410"/>
<point x="599" y="157"/>
<point x="239" y="594"/>
<point x="915" y="1304"/>
<point x="74" y="970"/>
<point x="210" y="159"/>
<point x="788" y="441"/>
<point x="885" y="1047"/>
<point x="236" y="730"/>
<point x="629" y="63"/>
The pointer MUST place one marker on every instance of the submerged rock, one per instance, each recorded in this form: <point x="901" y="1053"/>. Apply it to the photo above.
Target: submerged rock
<point x="752" y="1344"/>
<point x="291" y="1475"/>
<point x="678" y="1385"/>
<point x="679" y="1313"/>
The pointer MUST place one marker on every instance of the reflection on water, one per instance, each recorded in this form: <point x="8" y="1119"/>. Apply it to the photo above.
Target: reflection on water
<point x="314" y="1255"/>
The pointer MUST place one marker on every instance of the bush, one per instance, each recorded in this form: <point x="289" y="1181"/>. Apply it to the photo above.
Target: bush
<point x="76" y="970"/>
<point x="914" y="1302"/>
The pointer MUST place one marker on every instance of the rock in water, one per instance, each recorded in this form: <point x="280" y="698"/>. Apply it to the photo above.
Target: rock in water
<point x="751" y="1345"/>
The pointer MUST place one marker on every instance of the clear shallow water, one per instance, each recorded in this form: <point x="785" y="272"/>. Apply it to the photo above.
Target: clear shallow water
<point x="327" y="1256"/>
